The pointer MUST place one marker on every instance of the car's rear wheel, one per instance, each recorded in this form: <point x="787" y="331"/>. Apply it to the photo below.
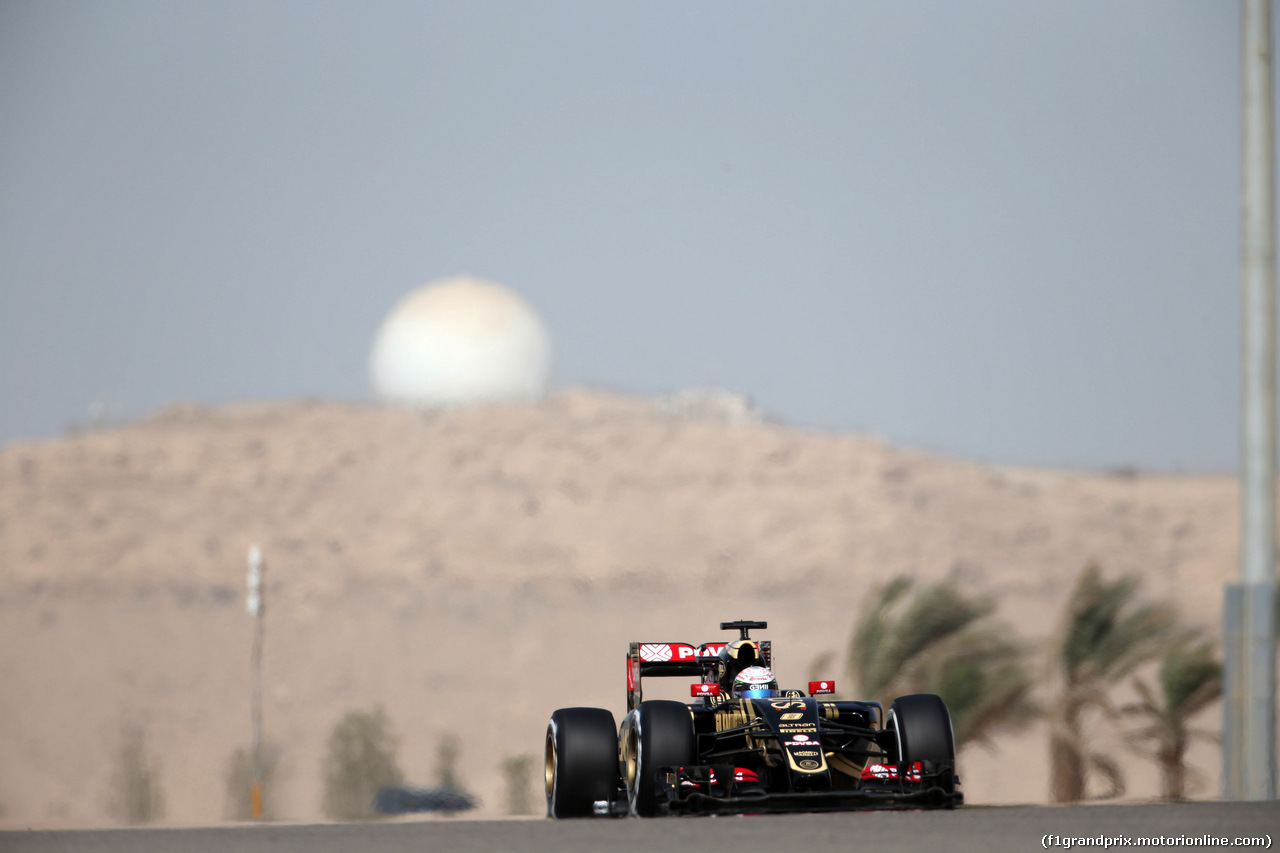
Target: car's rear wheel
<point x="581" y="760"/>
<point x="660" y="734"/>
<point x="921" y="726"/>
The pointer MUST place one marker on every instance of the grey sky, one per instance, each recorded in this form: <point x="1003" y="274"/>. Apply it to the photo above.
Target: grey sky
<point x="1002" y="230"/>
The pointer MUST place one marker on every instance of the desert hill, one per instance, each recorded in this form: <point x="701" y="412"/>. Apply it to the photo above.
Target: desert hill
<point x="472" y="570"/>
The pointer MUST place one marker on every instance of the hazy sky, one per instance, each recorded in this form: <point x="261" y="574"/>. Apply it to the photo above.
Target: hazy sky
<point x="1007" y="231"/>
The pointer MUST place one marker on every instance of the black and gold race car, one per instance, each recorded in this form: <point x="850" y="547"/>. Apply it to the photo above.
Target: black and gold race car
<point x="743" y="745"/>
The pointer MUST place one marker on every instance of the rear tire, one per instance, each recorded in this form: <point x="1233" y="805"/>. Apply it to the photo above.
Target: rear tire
<point x="660" y="735"/>
<point x="922" y="732"/>
<point x="581" y="758"/>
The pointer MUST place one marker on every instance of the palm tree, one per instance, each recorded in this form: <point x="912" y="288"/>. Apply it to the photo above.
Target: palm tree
<point x="941" y="641"/>
<point x="1190" y="681"/>
<point x="1104" y="636"/>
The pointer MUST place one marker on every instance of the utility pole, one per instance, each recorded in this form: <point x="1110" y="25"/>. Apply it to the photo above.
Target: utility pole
<point x="1249" y="630"/>
<point x="257" y="609"/>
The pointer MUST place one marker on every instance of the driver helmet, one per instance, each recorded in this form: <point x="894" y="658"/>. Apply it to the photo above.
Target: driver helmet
<point x="755" y="682"/>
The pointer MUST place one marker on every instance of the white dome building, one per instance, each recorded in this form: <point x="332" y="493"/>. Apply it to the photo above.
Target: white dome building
<point x="460" y="340"/>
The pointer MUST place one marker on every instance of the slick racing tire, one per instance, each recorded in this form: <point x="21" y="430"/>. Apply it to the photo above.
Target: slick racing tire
<point x="921" y="725"/>
<point x="660" y="734"/>
<point x="581" y="761"/>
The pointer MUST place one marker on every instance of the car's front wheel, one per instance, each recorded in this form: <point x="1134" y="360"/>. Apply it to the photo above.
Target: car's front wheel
<point x="659" y="733"/>
<point x="921" y="726"/>
<point x="581" y="758"/>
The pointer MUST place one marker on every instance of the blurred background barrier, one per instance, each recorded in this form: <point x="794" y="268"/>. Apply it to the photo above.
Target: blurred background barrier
<point x="404" y="800"/>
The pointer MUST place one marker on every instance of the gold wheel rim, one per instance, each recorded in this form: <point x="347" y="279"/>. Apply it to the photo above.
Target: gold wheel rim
<point x="550" y="756"/>
<point x="631" y="758"/>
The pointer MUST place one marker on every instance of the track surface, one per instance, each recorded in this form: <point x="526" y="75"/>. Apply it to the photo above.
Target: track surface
<point x="988" y="829"/>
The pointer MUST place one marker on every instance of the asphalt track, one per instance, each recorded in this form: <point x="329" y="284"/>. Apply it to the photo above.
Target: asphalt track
<point x="1016" y="829"/>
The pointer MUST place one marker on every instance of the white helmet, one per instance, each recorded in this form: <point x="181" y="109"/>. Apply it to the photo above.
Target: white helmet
<point x="755" y="682"/>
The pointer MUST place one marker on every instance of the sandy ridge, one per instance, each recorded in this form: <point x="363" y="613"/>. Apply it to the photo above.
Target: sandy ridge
<point x="501" y="553"/>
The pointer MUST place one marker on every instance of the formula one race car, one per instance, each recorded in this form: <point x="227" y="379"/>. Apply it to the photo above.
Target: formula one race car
<point x="743" y="745"/>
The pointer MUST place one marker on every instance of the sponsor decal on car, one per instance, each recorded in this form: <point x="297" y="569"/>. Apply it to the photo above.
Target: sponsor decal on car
<point x="666" y="652"/>
<point x="890" y="771"/>
<point x="740" y="774"/>
<point x="655" y="652"/>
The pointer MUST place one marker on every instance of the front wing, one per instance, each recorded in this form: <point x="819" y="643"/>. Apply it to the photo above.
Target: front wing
<point x="703" y="790"/>
<point x="713" y="789"/>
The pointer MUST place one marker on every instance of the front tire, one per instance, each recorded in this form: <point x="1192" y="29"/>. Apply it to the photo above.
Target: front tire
<point x="660" y="734"/>
<point x="581" y="759"/>
<point x="922" y="732"/>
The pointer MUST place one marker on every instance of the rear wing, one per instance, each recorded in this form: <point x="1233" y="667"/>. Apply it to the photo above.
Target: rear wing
<point x="671" y="660"/>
